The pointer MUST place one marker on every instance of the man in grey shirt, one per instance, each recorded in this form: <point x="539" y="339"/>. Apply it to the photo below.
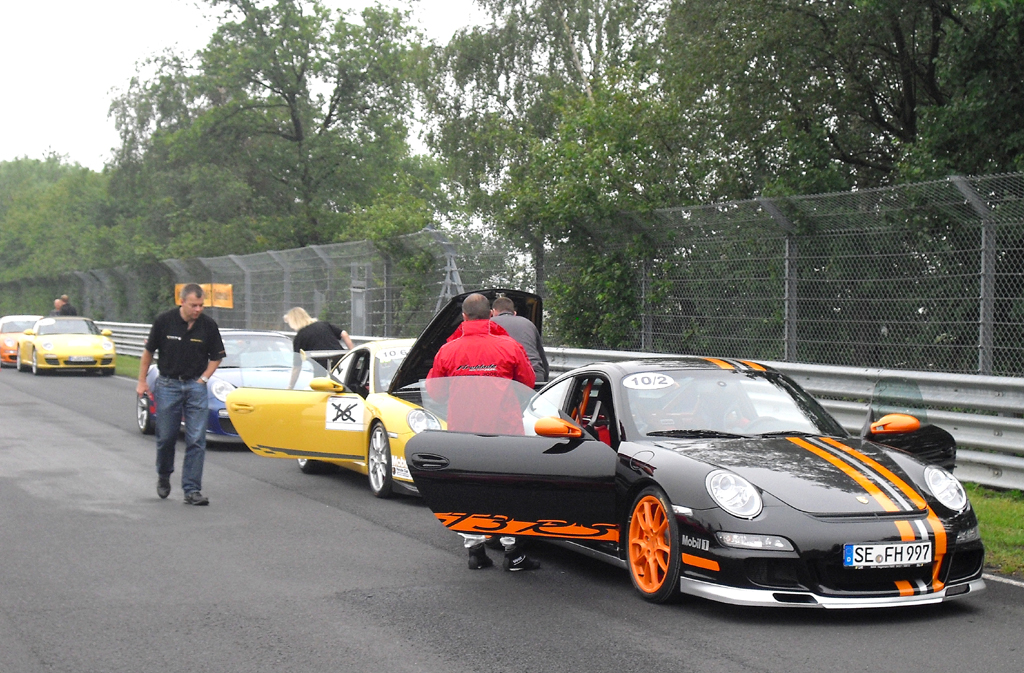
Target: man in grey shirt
<point x="503" y="312"/>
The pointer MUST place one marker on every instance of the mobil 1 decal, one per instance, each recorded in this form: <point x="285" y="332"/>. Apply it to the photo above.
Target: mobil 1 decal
<point x="344" y="413"/>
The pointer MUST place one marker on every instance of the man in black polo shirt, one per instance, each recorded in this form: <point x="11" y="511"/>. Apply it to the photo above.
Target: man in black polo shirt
<point x="190" y="349"/>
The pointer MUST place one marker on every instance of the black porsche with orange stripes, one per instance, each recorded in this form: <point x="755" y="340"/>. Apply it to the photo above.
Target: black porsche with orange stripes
<point x="716" y="478"/>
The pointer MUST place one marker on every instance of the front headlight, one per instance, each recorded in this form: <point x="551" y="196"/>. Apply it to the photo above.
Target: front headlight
<point x="220" y="388"/>
<point x="10" y="343"/>
<point x="108" y="345"/>
<point x="945" y="487"/>
<point x="46" y="345"/>
<point x="734" y="494"/>
<point x="420" y="420"/>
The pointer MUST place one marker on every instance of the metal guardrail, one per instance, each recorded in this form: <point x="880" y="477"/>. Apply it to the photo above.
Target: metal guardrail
<point x="977" y="408"/>
<point x="129" y="337"/>
<point x="979" y="411"/>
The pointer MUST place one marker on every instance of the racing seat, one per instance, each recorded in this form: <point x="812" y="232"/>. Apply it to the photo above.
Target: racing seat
<point x="598" y="417"/>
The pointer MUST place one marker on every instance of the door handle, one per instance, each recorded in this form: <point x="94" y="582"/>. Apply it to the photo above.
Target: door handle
<point x="242" y="408"/>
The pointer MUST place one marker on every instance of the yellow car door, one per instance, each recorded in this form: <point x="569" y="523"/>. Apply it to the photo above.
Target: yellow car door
<point x="311" y="417"/>
<point x="303" y="424"/>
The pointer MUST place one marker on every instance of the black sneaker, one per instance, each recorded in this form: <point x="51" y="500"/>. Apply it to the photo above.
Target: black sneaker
<point x="478" y="558"/>
<point x="163" y="487"/>
<point x="196" y="498"/>
<point x="516" y="561"/>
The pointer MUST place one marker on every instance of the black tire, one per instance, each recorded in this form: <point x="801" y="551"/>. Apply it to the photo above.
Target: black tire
<point x="35" y="364"/>
<point x="144" y="418"/>
<point x="314" y="466"/>
<point x="22" y="367"/>
<point x="653" y="548"/>
<point x="378" y="462"/>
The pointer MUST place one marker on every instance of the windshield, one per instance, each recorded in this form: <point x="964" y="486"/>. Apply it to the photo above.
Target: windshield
<point x="15" y="326"/>
<point x="704" y="403"/>
<point x="278" y="370"/>
<point x="66" y="326"/>
<point x="256" y="348"/>
<point x="480" y="404"/>
<point x="388" y="360"/>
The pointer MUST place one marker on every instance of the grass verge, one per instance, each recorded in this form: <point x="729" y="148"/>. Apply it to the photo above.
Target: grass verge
<point x="126" y="365"/>
<point x="1001" y="521"/>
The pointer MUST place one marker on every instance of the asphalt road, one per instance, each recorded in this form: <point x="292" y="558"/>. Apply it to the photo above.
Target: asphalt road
<point x="291" y="572"/>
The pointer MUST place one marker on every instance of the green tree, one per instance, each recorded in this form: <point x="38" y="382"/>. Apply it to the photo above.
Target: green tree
<point x="537" y="118"/>
<point x="287" y="123"/>
<point x="53" y="218"/>
<point x="801" y="97"/>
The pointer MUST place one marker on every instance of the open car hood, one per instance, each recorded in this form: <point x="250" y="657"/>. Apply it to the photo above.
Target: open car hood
<point x="421" y="356"/>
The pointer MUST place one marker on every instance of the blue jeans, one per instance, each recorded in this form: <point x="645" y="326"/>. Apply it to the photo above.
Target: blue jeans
<point x="176" y="400"/>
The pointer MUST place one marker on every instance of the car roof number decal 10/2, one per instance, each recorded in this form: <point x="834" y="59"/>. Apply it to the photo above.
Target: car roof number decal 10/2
<point x="648" y="381"/>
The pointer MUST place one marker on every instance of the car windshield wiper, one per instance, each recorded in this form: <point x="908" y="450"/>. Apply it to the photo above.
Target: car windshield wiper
<point x="789" y="433"/>
<point x="691" y="434"/>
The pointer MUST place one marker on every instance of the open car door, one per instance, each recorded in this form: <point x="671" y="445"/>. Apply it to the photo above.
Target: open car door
<point x="292" y="408"/>
<point x="492" y="473"/>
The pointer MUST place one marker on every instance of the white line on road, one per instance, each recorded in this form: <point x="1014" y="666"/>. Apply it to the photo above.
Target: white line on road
<point x="1005" y="580"/>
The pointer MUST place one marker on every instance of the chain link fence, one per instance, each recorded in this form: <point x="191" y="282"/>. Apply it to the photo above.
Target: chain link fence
<point x="924" y="277"/>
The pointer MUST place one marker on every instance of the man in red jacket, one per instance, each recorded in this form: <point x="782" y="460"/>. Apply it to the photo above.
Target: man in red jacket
<point x="485" y="401"/>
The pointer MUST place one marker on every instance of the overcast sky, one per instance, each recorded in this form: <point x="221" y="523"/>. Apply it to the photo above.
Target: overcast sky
<point x="61" y="62"/>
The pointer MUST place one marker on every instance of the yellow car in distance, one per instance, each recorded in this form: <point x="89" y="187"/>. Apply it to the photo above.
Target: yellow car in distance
<point x="66" y="343"/>
<point x="345" y="419"/>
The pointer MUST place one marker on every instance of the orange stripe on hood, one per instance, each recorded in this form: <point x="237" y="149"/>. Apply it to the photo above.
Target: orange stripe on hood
<point x="887" y="504"/>
<point x="933" y="520"/>
<point x="908" y="491"/>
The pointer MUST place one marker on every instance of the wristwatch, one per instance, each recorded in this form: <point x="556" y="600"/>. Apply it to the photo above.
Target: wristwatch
<point x="204" y="379"/>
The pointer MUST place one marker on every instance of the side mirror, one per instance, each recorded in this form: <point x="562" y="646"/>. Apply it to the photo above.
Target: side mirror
<point x="30" y="332"/>
<point x="557" y="427"/>
<point x="326" y="385"/>
<point x="107" y="333"/>
<point x="892" y="424"/>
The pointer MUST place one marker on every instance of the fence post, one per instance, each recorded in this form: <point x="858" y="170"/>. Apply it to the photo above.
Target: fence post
<point x="247" y="283"/>
<point x="358" y="288"/>
<point x="646" y="320"/>
<point x="85" y="301"/>
<point x="987" y="271"/>
<point x="286" y="279"/>
<point x="789" y="291"/>
<point x="329" y="266"/>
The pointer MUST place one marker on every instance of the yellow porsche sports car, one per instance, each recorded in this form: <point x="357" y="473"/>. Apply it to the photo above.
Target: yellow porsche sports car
<point x="361" y="415"/>
<point x="346" y="419"/>
<point x="12" y="329"/>
<point x="66" y="343"/>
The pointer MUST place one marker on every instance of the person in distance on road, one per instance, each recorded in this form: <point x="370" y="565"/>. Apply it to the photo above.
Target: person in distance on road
<point x="190" y="349"/>
<point x="66" y="308"/>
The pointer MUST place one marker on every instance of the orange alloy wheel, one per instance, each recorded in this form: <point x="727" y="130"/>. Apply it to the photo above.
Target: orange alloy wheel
<point x="648" y="547"/>
<point x="653" y="561"/>
<point x="653" y="548"/>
